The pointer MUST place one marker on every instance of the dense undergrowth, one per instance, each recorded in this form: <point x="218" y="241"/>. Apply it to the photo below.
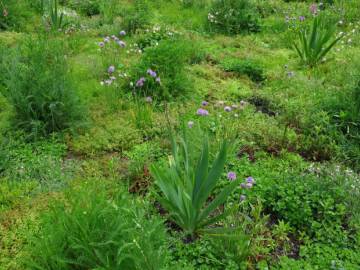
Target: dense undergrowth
<point x="208" y="134"/>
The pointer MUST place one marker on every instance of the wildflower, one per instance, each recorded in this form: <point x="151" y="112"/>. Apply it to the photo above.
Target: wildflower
<point x="243" y="185"/>
<point x="102" y="83"/>
<point x="301" y="18"/>
<point x="227" y="109"/>
<point x="248" y="185"/>
<point x="158" y="80"/>
<point x="151" y="73"/>
<point x="242" y="198"/>
<point x="234" y="106"/>
<point x="121" y="43"/>
<point x="122" y="33"/>
<point x="287" y="19"/>
<point x="111" y="69"/>
<point x="236" y="115"/>
<point x="101" y="44"/>
<point x="220" y="103"/>
<point x="5" y="12"/>
<point x="116" y="39"/>
<point x="112" y="78"/>
<point x="190" y="124"/>
<point x="107" y="40"/>
<point x="148" y="99"/>
<point x="313" y="9"/>
<point x="250" y="180"/>
<point x="341" y="22"/>
<point x="204" y="103"/>
<point x="202" y="112"/>
<point x="113" y="37"/>
<point x="108" y="82"/>
<point x="140" y="82"/>
<point x="231" y="176"/>
<point x="131" y="84"/>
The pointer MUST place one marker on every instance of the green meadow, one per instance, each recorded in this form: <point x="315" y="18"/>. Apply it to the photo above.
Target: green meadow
<point x="179" y="134"/>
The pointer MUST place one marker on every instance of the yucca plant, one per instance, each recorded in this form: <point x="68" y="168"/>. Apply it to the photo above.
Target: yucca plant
<point x="56" y="19"/>
<point x="313" y="45"/>
<point x="186" y="187"/>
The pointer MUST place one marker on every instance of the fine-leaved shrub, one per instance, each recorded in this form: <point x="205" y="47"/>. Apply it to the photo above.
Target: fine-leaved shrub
<point x="137" y="16"/>
<point x="90" y="230"/>
<point x="15" y="15"/>
<point x="161" y="71"/>
<point x="39" y="87"/>
<point x="86" y="7"/>
<point x="233" y="17"/>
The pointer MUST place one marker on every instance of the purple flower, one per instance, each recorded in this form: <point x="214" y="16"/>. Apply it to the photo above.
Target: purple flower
<point x="242" y="198"/>
<point x="190" y="124"/>
<point x="301" y="18"/>
<point x="122" y="33"/>
<point x="202" y="112"/>
<point x="250" y="180"/>
<point x="111" y="69"/>
<point x="313" y="9"/>
<point x="227" y="109"/>
<point x="151" y="73"/>
<point x="231" y="176"/>
<point x="243" y="185"/>
<point x="158" y="80"/>
<point x="204" y="103"/>
<point x="121" y="43"/>
<point x="140" y="82"/>
<point x="101" y="44"/>
<point x="148" y="99"/>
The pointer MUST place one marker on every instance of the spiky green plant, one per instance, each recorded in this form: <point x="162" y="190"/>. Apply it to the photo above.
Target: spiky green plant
<point x="187" y="186"/>
<point x="314" y="45"/>
<point x="57" y="20"/>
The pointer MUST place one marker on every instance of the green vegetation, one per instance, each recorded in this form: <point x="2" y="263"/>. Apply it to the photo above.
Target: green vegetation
<point x="182" y="134"/>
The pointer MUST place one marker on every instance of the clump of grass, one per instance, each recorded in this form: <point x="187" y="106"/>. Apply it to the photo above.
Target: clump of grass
<point x="244" y="67"/>
<point x="90" y="230"/>
<point x="40" y="89"/>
